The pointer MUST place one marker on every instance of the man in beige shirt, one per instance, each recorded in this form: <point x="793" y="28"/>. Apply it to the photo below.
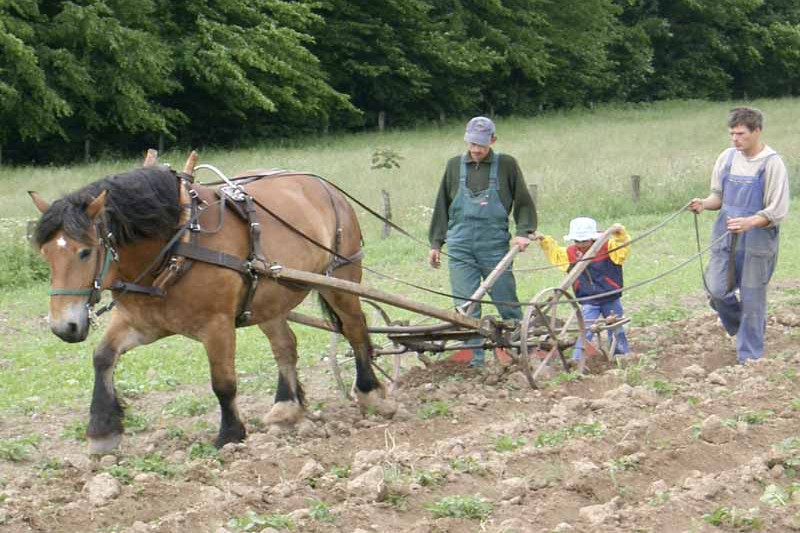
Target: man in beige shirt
<point x="750" y="188"/>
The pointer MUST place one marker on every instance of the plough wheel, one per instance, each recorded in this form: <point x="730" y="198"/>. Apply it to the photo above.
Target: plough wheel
<point x="545" y="325"/>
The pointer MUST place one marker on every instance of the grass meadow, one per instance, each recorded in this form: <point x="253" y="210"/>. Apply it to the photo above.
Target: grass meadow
<point x="581" y="162"/>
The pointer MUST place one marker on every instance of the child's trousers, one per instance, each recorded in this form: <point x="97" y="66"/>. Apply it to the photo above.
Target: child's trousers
<point x="591" y="312"/>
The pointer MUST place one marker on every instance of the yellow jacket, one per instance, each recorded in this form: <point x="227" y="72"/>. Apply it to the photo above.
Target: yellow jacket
<point x="558" y="254"/>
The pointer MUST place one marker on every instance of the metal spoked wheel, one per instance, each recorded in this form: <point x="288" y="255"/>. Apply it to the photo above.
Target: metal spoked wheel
<point x="549" y="324"/>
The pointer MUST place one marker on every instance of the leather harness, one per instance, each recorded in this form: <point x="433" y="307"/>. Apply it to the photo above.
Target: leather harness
<point x="183" y="250"/>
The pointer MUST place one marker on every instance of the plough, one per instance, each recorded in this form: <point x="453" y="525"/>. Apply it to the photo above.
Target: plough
<point x="552" y="322"/>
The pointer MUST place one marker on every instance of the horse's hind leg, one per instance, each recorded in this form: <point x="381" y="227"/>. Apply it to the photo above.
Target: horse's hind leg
<point x="370" y="392"/>
<point x="105" y="429"/>
<point x="220" y="344"/>
<point x="289" y="400"/>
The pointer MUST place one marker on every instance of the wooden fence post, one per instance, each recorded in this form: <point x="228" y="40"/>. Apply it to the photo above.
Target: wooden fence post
<point x="381" y="120"/>
<point x="387" y="213"/>
<point x="87" y="150"/>
<point x="161" y="143"/>
<point x="636" y="183"/>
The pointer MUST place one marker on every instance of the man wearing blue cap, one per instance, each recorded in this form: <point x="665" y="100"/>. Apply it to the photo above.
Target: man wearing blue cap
<point x="478" y="192"/>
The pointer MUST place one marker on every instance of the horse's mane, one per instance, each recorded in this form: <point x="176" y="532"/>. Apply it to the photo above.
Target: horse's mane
<point x="140" y="204"/>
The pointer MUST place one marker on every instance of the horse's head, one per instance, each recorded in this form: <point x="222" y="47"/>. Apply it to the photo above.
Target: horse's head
<point x="79" y="258"/>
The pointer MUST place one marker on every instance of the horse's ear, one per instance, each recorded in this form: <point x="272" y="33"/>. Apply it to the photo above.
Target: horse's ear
<point x="151" y="158"/>
<point x="97" y="205"/>
<point x="40" y="203"/>
<point x="188" y="168"/>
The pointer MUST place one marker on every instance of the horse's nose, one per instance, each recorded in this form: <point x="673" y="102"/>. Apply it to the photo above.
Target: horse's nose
<point x="72" y="325"/>
<point x="69" y="331"/>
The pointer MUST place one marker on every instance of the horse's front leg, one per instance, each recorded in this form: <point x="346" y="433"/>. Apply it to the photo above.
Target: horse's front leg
<point x="105" y="414"/>
<point x="219" y="339"/>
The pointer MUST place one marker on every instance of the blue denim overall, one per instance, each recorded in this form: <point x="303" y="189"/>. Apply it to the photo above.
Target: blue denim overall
<point x="477" y="239"/>
<point x="754" y="257"/>
<point x="600" y="276"/>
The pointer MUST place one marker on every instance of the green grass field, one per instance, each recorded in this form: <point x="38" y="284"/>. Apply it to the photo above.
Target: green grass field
<point x="581" y="162"/>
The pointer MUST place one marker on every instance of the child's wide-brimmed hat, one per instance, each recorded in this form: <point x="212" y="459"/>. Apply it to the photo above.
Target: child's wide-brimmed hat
<point x="582" y="229"/>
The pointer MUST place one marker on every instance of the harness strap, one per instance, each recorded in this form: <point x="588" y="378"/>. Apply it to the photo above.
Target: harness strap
<point x="214" y="257"/>
<point x="339" y="261"/>
<point x="337" y="239"/>
<point x="141" y="289"/>
<point x="177" y="266"/>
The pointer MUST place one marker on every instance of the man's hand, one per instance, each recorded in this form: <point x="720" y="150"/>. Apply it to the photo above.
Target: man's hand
<point x="536" y="236"/>
<point x="742" y="224"/>
<point x="520" y="242"/>
<point x="434" y="258"/>
<point x="697" y="205"/>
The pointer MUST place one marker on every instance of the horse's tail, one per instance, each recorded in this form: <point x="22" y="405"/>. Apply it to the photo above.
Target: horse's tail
<point x="329" y="313"/>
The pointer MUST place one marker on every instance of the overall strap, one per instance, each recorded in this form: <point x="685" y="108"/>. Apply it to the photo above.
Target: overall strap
<point x="462" y="174"/>
<point x="763" y="167"/>
<point x="728" y="162"/>
<point x="493" y="171"/>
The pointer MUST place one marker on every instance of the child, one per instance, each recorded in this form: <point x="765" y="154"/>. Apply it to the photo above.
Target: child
<point x="602" y="274"/>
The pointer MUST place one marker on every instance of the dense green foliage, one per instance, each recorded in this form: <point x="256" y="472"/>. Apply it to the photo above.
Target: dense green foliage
<point x="93" y="77"/>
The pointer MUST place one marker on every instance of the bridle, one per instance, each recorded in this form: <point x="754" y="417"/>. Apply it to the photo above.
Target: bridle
<point x="102" y="267"/>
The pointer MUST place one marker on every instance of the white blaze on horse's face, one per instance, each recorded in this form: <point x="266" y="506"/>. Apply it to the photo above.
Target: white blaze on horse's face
<point x="73" y="265"/>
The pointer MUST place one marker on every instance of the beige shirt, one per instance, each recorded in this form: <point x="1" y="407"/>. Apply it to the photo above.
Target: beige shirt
<point x="776" y="180"/>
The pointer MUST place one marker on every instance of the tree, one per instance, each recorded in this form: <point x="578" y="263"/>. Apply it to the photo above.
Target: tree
<point x="578" y="37"/>
<point x="30" y="108"/>
<point x="109" y="67"/>
<point x="513" y="50"/>
<point x="245" y="68"/>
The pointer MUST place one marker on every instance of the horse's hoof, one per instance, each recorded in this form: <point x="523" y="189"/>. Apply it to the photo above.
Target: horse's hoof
<point x="104" y="445"/>
<point x="375" y="402"/>
<point x="284" y="414"/>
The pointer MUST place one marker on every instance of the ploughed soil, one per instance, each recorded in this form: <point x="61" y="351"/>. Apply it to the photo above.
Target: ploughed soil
<point x="679" y="438"/>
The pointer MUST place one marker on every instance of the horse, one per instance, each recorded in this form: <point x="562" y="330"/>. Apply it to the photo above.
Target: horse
<point x="109" y="234"/>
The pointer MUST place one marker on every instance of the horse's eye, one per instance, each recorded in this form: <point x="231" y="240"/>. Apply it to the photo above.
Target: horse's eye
<point x="84" y="254"/>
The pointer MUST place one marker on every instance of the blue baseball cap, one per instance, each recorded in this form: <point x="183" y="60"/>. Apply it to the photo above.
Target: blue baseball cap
<point x="480" y="130"/>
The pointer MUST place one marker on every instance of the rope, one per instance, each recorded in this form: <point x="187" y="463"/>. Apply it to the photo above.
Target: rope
<point x="654" y="278"/>
<point x="526" y="269"/>
<point x="702" y="269"/>
<point x="495" y="302"/>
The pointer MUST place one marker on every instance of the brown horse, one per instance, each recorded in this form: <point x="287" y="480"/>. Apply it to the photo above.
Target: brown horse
<point x="110" y="233"/>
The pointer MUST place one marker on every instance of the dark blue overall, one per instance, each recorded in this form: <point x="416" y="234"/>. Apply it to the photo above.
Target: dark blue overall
<point x="477" y="239"/>
<point x="756" y="252"/>
<point x="601" y="275"/>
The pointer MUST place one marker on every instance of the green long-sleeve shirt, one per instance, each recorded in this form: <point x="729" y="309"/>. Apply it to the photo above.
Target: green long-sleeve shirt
<point x="513" y="194"/>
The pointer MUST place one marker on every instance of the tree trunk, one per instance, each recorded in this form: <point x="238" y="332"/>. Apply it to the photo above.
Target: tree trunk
<point x="87" y="150"/>
<point x="381" y="120"/>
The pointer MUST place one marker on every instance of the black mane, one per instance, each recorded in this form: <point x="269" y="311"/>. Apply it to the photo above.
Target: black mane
<point x="140" y="204"/>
